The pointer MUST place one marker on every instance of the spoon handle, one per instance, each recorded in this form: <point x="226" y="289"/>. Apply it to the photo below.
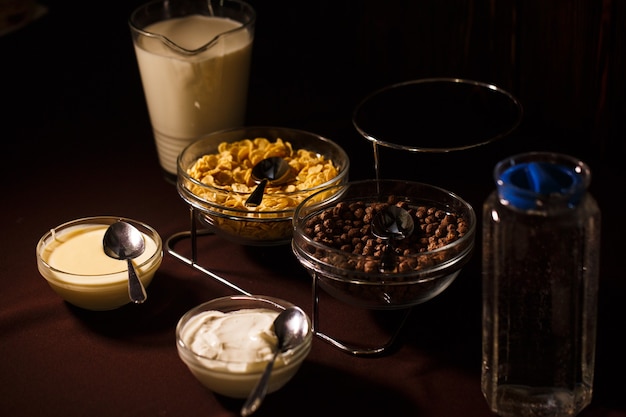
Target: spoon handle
<point x="136" y="291"/>
<point x="388" y="259"/>
<point x="257" y="195"/>
<point x="260" y="390"/>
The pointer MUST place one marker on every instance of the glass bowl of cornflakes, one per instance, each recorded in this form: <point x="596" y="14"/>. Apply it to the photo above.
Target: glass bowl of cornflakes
<point x="215" y="178"/>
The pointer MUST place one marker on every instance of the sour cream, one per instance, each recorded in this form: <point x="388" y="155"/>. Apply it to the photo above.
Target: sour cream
<point x="227" y="342"/>
<point x="240" y="337"/>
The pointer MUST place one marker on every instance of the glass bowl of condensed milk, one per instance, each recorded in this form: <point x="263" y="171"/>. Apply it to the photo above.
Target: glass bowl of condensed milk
<point x="71" y="258"/>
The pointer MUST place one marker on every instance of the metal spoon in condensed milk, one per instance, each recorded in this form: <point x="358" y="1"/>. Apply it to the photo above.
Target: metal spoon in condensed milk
<point x="124" y="241"/>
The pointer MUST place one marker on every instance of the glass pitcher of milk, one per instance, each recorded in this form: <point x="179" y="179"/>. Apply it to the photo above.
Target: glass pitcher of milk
<point x="194" y="60"/>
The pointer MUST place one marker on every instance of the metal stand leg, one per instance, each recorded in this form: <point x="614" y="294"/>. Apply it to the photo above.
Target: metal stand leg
<point x="193" y="235"/>
<point x="351" y="349"/>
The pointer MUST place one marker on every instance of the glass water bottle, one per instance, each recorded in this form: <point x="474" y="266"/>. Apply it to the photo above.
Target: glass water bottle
<point x="541" y="246"/>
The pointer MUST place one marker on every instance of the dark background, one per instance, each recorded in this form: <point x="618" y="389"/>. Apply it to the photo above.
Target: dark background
<point x="74" y="71"/>
<point x="313" y="62"/>
<point x="74" y="121"/>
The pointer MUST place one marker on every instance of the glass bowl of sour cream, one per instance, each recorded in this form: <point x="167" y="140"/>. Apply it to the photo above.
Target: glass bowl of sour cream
<point x="227" y="342"/>
<point x="72" y="260"/>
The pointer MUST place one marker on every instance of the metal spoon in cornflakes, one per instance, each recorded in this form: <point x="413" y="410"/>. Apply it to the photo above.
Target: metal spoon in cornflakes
<point x="272" y="170"/>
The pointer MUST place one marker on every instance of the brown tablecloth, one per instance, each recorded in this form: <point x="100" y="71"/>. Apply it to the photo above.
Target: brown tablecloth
<point x="77" y="142"/>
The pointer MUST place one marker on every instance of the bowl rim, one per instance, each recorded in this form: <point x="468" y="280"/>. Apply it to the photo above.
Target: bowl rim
<point x="295" y="354"/>
<point x="200" y="203"/>
<point x="467" y="241"/>
<point x="104" y="220"/>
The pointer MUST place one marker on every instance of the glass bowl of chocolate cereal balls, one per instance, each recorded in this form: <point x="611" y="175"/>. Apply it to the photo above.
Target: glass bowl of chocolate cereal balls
<point x="384" y="244"/>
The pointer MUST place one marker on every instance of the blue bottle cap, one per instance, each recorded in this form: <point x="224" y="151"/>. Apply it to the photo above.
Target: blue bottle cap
<point x="526" y="185"/>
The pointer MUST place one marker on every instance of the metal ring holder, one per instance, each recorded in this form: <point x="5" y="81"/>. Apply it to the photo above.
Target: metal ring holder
<point x="193" y="233"/>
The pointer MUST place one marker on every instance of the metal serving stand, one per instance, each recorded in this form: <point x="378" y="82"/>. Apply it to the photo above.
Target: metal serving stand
<point x="194" y="233"/>
<point x="482" y="113"/>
